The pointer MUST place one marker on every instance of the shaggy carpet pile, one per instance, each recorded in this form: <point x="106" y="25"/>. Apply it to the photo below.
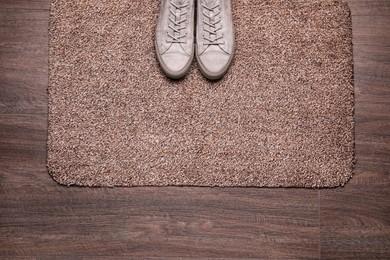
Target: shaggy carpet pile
<point x="283" y="116"/>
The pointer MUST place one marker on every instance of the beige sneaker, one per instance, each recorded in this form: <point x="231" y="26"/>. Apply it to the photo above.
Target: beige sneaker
<point x="215" y="37"/>
<point x="175" y="36"/>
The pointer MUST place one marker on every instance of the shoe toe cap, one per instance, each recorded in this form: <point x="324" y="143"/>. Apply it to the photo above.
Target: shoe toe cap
<point x="175" y="62"/>
<point x="214" y="63"/>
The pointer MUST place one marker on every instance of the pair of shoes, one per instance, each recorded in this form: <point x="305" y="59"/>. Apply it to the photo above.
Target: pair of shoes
<point x="214" y="37"/>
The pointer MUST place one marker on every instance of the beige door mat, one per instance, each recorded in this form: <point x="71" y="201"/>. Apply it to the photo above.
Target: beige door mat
<point x="283" y="116"/>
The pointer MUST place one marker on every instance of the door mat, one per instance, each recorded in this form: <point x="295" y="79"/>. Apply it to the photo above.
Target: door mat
<point x="283" y="116"/>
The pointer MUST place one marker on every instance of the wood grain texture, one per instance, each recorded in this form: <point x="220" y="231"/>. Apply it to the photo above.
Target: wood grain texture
<point x="355" y="222"/>
<point x="39" y="218"/>
<point x="23" y="61"/>
<point x="25" y="4"/>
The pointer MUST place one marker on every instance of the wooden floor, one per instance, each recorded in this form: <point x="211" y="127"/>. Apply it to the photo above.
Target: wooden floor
<point x="39" y="218"/>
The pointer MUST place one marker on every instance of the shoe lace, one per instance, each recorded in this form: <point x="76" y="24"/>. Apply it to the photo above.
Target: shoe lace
<point x="212" y="25"/>
<point x="176" y="22"/>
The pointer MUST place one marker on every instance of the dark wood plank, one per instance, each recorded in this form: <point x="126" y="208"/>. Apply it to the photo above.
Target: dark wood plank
<point x="25" y="4"/>
<point x="372" y="61"/>
<point x="170" y="222"/>
<point x="23" y="141"/>
<point x="23" y="61"/>
<point x="371" y="30"/>
<point x="369" y="8"/>
<point x="355" y="222"/>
